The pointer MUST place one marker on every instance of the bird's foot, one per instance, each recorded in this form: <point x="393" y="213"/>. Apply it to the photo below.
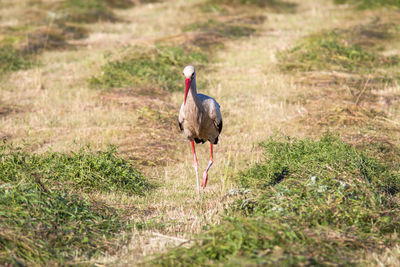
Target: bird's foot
<point x="205" y="179"/>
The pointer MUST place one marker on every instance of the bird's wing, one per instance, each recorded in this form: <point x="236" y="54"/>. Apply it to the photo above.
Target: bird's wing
<point x="181" y="117"/>
<point x="212" y="108"/>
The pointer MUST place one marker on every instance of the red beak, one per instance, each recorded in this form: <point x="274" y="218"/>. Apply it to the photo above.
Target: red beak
<point x="187" y="82"/>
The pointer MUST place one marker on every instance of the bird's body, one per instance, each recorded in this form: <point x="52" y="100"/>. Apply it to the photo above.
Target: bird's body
<point x="200" y="119"/>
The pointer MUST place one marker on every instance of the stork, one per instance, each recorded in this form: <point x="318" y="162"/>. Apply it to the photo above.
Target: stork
<point x="200" y="120"/>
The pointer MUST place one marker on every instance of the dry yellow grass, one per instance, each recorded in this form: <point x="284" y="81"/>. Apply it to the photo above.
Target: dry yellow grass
<point x="57" y="111"/>
<point x="390" y="258"/>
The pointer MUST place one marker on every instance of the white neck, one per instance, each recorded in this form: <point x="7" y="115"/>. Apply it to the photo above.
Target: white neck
<point x="192" y="94"/>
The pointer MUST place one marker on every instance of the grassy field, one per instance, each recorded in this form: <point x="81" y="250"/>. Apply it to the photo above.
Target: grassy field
<point x="93" y="168"/>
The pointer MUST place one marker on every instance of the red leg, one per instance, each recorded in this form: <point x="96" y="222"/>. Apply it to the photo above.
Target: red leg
<point x="196" y="167"/>
<point x="205" y="175"/>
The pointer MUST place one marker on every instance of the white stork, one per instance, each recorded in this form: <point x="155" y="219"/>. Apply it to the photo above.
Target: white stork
<point x="200" y="120"/>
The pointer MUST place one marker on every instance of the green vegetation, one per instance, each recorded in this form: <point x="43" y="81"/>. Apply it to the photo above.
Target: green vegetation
<point x="90" y="11"/>
<point x="83" y="170"/>
<point x="13" y="60"/>
<point x="227" y="30"/>
<point x="315" y="202"/>
<point x="124" y="3"/>
<point x="46" y="218"/>
<point x="370" y="4"/>
<point x="352" y="66"/>
<point x="274" y="5"/>
<point x="87" y="11"/>
<point x="310" y="202"/>
<point x="334" y="51"/>
<point x="52" y="25"/>
<point x="160" y="66"/>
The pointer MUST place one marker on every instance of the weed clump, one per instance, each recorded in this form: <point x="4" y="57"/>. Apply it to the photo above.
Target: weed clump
<point x="87" y="11"/>
<point x="159" y="66"/>
<point x="13" y="60"/>
<point x="343" y="187"/>
<point x="91" y="11"/>
<point x="353" y="70"/>
<point x="42" y="225"/>
<point x="46" y="219"/>
<point x="274" y="5"/>
<point x="223" y="29"/>
<point x="311" y="202"/>
<point x="333" y="52"/>
<point x="83" y="170"/>
<point x="212" y="34"/>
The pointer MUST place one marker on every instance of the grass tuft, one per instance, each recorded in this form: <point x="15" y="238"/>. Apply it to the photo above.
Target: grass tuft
<point x="124" y="3"/>
<point x="312" y="202"/>
<point x="273" y="5"/>
<point x="44" y="216"/>
<point x="353" y="67"/>
<point x="87" y="11"/>
<point x="211" y="34"/>
<point x="223" y="29"/>
<point x="335" y="169"/>
<point x="333" y="52"/>
<point x="83" y="170"/>
<point x="42" y="226"/>
<point x="13" y="60"/>
<point x="91" y="11"/>
<point x="46" y="38"/>
<point x="156" y="67"/>
<point x="239" y="241"/>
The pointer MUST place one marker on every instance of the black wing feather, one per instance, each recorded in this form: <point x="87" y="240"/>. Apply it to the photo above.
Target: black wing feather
<point x="197" y="140"/>
<point x="219" y="126"/>
<point x="180" y="125"/>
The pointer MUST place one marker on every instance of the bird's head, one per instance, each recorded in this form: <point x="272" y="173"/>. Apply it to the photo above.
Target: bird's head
<point x="190" y="74"/>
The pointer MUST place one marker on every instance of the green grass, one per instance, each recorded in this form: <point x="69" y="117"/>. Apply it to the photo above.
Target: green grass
<point x="13" y="60"/>
<point x="274" y="5"/>
<point x="370" y="4"/>
<point x="333" y="51"/>
<point x="223" y="29"/>
<point x="90" y="11"/>
<point x="52" y="25"/>
<point x="87" y="11"/>
<point x="45" y="216"/>
<point x="311" y="202"/>
<point x="124" y="3"/>
<point x="159" y="67"/>
<point x="83" y="170"/>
